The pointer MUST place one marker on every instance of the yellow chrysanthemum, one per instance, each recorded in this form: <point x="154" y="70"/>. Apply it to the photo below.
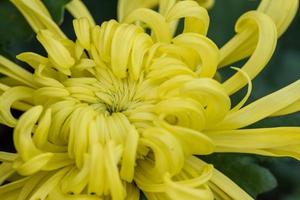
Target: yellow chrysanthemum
<point x="127" y="106"/>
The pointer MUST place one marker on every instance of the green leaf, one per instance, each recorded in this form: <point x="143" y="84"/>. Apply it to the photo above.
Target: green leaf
<point x="56" y="9"/>
<point x="244" y="171"/>
<point x="286" y="171"/>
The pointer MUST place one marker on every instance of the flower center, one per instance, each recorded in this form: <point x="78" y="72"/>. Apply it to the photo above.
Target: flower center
<point x="105" y="92"/>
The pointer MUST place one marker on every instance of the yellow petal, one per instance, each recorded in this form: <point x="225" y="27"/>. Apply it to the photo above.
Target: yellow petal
<point x="254" y="140"/>
<point x="206" y="49"/>
<point x="242" y="45"/>
<point x="60" y="55"/>
<point x="261" y="108"/>
<point x="127" y="6"/>
<point x="37" y="16"/>
<point x="196" y="17"/>
<point x="249" y="22"/>
<point x="249" y="89"/>
<point x="43" y="191"/>
<point x="22" y="133"/>
<point x="129" y="155"/>
<point x="16" y="72"/>
<point x="82" y="30"/>
<point x="79" y="10"/>
<point x="155" y="21"/>
<point x="282" y="12"/>
<point x="206" y="3"/>
<point x="34" y="164"/>
<point x="120" y="54"/>
<point x="184" y="112"/>
<point x="9" y="97"/>
<point x="227" y="187"/>
<point x="211" y="95"/>
<point x="192" y="141"/>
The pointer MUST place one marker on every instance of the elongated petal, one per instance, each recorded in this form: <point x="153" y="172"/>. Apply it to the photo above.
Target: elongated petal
<point x="219" y="183"/>
<point x="79" y="10"/>
<point x="60" y="55"/>
<point x="267" y="38"/>
<point x="258" y="141"/>
<point x="12" y="70"/>
<point x="242" y="45"/>
<point x="82" y="30"/>
<point x="120" y="55"/>
<point x="261" y="108"/>
<point x="282" y="12"/>
<point x="22" y="133"/>
<point x="37" y="16"/>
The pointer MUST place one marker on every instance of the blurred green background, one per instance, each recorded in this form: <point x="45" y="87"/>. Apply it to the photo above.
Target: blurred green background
<point x="272" y="178"/>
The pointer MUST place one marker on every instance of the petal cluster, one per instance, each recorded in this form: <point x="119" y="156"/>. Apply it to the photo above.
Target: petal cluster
<point x="128" y="105"/>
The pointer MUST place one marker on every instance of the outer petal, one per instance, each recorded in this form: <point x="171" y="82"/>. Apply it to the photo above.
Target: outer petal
<point x="282" y="13"/>
<point x="222" y="186"/>
<point x="265" y="47"/>
<point x="127" y="6"/>
<point x="261" y="108"/>
<point x="37" y="16"/>
<point x="264" y="141"/>
<point x="78" y="10"/>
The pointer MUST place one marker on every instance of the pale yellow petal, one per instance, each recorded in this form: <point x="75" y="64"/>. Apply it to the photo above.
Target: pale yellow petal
<point x="37" y="16"/>
<point x="155" y="21"/>
<point x="257" y="141"/>
<point x="196" y="18"/>
<point x="79" y="10"/>
<point x="127" y="6"/>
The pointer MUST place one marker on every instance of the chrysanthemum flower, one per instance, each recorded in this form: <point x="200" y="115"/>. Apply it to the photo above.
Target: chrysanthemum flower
<point x="131" y="107"/>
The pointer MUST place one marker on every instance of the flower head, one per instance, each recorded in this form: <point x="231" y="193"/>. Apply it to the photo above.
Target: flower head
<point x="128" y="105"/>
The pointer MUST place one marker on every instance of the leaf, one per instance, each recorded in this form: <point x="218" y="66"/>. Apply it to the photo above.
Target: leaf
<point x="286" y="171"/>
<point x="56" y="9"/>
<point x="244" y="171"/>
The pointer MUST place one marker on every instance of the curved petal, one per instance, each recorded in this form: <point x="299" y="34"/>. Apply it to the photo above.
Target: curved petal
<point x="7" y="99"/>
<point x="127" y="6"/>
<point x="184" y="112"/>
<point x="23" y="141"/>
<point x="206" y="49"/>
<point x="263" y="52"/>
<point x="196" y="17"/>
<point x="282" y="12"/>
<point x="242" y="45"/>
<point x="211" y="95"/>
<point x="156" y="22"/>
<point x="219" y="183"/>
